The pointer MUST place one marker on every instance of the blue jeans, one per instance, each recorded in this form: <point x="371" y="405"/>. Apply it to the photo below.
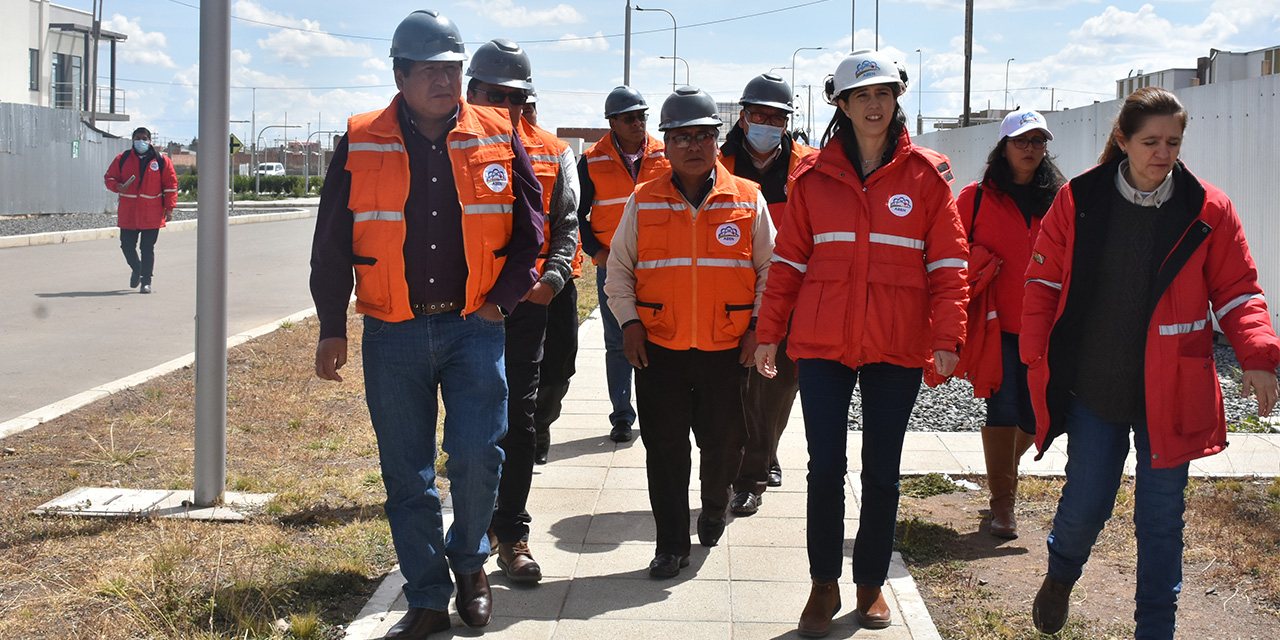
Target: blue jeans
<point x="888" y="396"/>
<point x="1010" y="405"/>
<point x="404" y="365"/>
<point x="1096" y="451"/>
<point x="617" y="370"/>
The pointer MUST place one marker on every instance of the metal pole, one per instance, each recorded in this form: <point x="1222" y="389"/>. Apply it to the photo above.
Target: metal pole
<point x="808" y="130"/>
<point x="793" y="63"/>
<point x="626" y="50"/>
<point x="968" y="57"/>
<point x="877" y="25"/>
<point x="1006" y="84"/>
<point x="211" y="255"/>
<point x="853" y="25"/>
<point x="253" y="126"/>
<point x="920" y="92"/>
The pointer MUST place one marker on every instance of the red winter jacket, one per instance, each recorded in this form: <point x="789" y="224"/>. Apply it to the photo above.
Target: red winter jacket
<point x="153" y="191"/>
<point x="981" y="359"/>
<point x="874" y="272"/>
<point x="1003" y="231"/>
<point x="1209" y="268"/>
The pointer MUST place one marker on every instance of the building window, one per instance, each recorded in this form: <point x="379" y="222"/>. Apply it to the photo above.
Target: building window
<point x="66" y="81"/>
<point x="33" y="81"/>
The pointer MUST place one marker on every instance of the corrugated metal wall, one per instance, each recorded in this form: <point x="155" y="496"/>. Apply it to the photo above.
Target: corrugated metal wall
<point x="37" y="171"/>
<point x="1232" y="141"/>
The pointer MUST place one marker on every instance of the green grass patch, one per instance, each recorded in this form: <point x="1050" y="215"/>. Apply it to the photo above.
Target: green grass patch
<point x="927" y="486"/>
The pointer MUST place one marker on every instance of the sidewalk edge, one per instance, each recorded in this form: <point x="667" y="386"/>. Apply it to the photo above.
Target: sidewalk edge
<point x="81" y="235"/>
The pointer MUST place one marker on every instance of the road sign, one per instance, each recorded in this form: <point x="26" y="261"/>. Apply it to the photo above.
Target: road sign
<point x="235" y="144"/>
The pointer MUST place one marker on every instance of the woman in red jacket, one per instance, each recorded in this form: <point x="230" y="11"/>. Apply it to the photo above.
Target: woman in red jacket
<point x="1002" y="215"/>
<point x="1131" y="258"/>
<point x="871" y="258"/>
<point x="148" y="188"/>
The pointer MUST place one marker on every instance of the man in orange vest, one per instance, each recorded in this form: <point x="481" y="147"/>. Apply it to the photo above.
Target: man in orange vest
<point x="686" y="271"/>
<point x="608" y="172"/>
<point x="501" y="76"/>
<point x="434" y="205"/>
<point x="760" y="149"/>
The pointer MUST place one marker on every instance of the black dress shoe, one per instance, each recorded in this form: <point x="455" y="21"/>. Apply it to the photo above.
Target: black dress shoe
<point x="1049" y="612"/>
<point x="474" y="601"/>
<point x="745" y="503"/>
<point x="134" y="279"/>
<point x="710" y="530"/>
<point x="419" y="623"/>
<point x="621" y="432"/>
<point x="540" y="455"/>
<point x="775" y="477"/>
<point x="667" y="565"/>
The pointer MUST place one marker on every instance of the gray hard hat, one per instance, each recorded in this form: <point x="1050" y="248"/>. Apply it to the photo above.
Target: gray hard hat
<point x="428" y="36"/>
<point x="502" y="62"/>
<point x="768" y="90"/>
<point x="623" y="99"/>
<point x="689" y="107"/>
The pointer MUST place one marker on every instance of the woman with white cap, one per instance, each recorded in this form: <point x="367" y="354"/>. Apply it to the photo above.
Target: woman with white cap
<point x="1002" y="215"/>
<point x="871" y="259"/>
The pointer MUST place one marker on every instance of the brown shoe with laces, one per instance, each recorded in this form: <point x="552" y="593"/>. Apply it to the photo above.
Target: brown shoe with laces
<point x="515" y="559"/>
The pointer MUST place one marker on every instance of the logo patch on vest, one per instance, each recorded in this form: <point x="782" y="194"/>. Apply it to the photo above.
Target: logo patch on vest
<point x="495" y="177"/>
<point x="900" y="205"/>
<point x="155" y="166"/>
<point x="728" y="234"/>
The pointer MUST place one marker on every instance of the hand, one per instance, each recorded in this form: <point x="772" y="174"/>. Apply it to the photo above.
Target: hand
<point x="168" y="215"/>
<point x="1263" y="383"/>
<point x="489" y="311"/>
<point x="633" y="339"/>
<point x="331" y="355"/>
<point x="747" y="347"/>
<point x="602" y="257"/>
<point x="767" y="360"/>
<point x="540" y="294"/>
<point x="945" y="362"/>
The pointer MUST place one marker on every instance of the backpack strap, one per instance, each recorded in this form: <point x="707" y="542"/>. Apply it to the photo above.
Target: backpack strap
<point x="977" y="204"/>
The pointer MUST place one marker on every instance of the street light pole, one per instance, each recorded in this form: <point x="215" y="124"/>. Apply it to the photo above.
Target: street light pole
<point x="793" y="62"/>
<point x="1006" y="84"/>
<point x="920" y="93"/>
<point x="256" y="175"/>
<point x="626" y="50"/>
<point x="675" y="30"/>
<point x="686" y="66"/>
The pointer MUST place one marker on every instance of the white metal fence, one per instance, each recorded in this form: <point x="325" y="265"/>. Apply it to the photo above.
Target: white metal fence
<point x="51" y="162"/>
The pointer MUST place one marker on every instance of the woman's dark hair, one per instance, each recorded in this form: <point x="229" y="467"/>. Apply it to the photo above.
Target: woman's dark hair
<point x="1044" y="183"/>
<point x="1140" y="105"/>
<point x="841" y="127"/>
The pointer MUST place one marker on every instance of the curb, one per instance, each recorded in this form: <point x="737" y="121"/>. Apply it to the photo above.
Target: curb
<point x="62" y="407"/>
<point x="81" y="235"/>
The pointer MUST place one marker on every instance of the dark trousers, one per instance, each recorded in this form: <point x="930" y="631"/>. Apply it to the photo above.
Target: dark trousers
<point x="768" y="405"/>
<point x="679" y="391"/>
<point x="559" y="352"/>
<point x="129" y="241"/>
<point x="888" y="395"/>
<point x="525" y="329"/>
<point x="1010" y="405"/>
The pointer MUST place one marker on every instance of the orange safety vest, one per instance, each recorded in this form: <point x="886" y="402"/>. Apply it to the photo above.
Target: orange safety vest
<point x="695" y="279"/>
<point x="798" y="152"/>
<point x="613" y="183"/>
<point x="544" y="152"/>
<point x="481" y="154"/>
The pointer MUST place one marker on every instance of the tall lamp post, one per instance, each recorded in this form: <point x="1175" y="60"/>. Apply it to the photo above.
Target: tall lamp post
<point x="1006" y="84"/>
<point x="675" y="29"/>
<point x="793" y="62"/>
<point x="306" y="175"/>
<point x="257" y="177"/>
<point x="686" y="65"/>
<point x="920" y="93"/>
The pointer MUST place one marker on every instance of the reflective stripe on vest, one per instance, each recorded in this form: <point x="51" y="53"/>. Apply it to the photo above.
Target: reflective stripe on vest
<point x="958" y="263"/>
<point x="835" y="236"/>
<point x="795" y="265"/>
<point x="389" y="216"/>
<point x="613" y="183"/>
<point x="1054" y="285"/>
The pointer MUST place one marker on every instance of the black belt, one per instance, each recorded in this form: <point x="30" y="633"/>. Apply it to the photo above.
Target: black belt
<point x="432" y="308"/>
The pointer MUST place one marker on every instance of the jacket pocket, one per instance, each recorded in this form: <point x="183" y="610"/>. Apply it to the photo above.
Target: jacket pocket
<point x="822" y="305"/>
<point x="898" y="309"/>
<point x="658" y="321"/>
<point x="732" y="321"/>
<point x="1197" y="395"/>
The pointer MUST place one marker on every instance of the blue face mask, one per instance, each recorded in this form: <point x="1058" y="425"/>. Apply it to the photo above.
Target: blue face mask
<point x="141" y="146"/>
<point x="762" y="137"/>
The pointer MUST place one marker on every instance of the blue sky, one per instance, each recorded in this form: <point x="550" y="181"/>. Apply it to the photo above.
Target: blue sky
<point x="320" y="61"/>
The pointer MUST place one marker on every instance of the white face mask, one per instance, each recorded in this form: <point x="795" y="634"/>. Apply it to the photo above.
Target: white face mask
<point x="762" y="137"/>
<point x="141" y="146"/>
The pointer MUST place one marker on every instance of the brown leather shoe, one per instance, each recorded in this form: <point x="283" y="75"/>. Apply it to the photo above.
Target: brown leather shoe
<point x="1049" y="612"/>
<point x="515" y="559"/>
<point x="419" y="623"/>
<point x="873" y="611"/>
<point x="474" y="601"/>
<point x="824" y="603"/>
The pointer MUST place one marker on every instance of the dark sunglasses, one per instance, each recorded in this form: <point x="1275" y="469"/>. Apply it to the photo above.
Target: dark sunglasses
<point x="686" y="140"/>
<point x="632" y="118"/>
<point x="517" y="98"/>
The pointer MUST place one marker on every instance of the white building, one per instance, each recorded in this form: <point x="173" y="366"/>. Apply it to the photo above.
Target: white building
<point x="1218" y="67"/>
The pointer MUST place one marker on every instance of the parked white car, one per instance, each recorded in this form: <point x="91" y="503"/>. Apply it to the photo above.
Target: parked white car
<point x="270" y="169"/>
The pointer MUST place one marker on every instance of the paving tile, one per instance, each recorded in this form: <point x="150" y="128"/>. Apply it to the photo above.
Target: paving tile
<point x="968" y="462"/>
<point x="954" y="442"/>
<point x="623" y="500"/>
<point x="568" y="529"/>
<point x="925" y="442"/>
<point x="628" y="478"/>
<point x="507" y="628"/>
<point x="641" y="630"/>
<point x="629" y="454"/>
<point x="548" y="500"/>
<point x="770" y="564"/>
<point x="566" y="476"/>
<point x="541" y="601"/>
<point x="556" y="560"/>
<point x="843" y="627"/>
<point x="631" y="561"/>
<point x="618" y="528"/>
<point x="921" y="462"/>
<point x="680" y="598"/>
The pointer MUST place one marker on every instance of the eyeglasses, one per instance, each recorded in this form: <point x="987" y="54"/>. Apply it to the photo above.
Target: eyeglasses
<point x="632" y="118"/>
<point x="1022" y="143"/>
<point x="686" y="140"/>
<point x="756" y="117"/>
<point x="517" y="98"/>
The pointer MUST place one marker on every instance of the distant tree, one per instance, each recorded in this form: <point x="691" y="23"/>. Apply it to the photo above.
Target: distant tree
<point x="173" y="147"/>
<point x="195" y="145"/>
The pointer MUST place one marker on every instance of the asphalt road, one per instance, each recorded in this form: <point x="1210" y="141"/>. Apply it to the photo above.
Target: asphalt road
<point x="69" y="322"/>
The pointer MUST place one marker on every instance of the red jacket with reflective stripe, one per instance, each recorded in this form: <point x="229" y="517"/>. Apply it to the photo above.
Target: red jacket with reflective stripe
<point x="481" y="154"/>
<point x="875" y="272"/>
<point x="1001" y="228"/>
<point x="144" y="201"/>
<point x="613" y="184"/>
<point x="695" y="279"/>
<point x="1209" y="271"/>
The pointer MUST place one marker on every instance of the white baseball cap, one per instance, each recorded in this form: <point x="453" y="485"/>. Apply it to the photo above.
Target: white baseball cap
<point x="1020" y="122"/>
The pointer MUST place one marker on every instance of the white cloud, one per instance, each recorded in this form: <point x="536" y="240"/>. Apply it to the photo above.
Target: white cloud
<point x="371" y="79"/>
<point x="507" y="14"/>
<point x="254" y="12"/>
<point x="142" y="47"/>
<point x="377" y="64"/>
<point x="241" y="57"/>
<point x="299" y="47"/>
<point x="589" y="44"/>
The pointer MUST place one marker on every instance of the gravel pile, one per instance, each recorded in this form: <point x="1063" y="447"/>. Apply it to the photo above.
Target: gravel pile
<point x="952" y="407"/>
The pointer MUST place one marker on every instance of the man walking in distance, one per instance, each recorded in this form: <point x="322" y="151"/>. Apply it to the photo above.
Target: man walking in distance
<point x="434" y="204"/>
<point x="686" y="272"/>
<point x="501" y="77"/>
<point x="760" y="150"/>
<point x="608" y="172"/>
<point x="148" y="188"/>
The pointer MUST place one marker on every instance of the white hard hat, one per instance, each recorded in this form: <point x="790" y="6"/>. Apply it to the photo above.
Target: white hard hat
<point x="1022" y="121"/>
<point x="862" y="68"/>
